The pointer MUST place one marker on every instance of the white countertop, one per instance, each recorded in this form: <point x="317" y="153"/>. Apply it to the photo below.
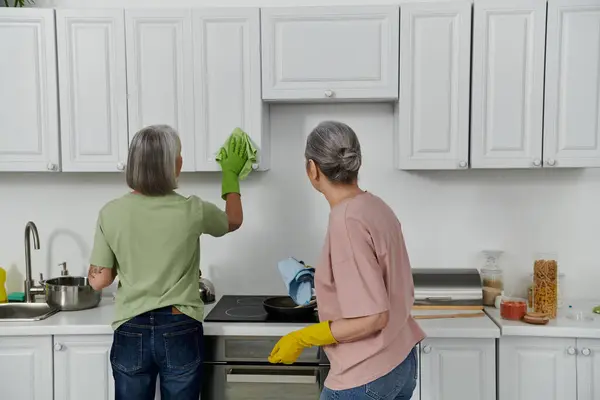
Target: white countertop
<point x="97" y="322"/>
<point x="562" y="326"/>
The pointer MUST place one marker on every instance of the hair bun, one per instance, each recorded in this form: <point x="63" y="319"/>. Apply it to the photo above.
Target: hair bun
<point x="349" y="159"/>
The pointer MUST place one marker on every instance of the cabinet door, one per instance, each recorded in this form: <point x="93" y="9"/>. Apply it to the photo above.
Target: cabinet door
<point x="508" y="83"/>
<point x="93" y="91"/>
<point x="328" y="53"/>
<point x="536" y="368"/>
<point x="26" y="367"/>
<point x="82" y="367"/>
<point x="458" y="369"/>
<point x="433" y="111"/>
<point x="227" y="82"/>
<point x="28" y="94"/>
<point x="588" y="369"/>
<point x="160" y="73"/>
<point x="572" y="108"/>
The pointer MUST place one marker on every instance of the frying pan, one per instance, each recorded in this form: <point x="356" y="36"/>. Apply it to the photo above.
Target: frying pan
<point x="283" y="307"/>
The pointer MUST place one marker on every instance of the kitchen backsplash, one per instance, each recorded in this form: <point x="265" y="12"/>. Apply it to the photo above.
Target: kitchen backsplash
<point x="448" y="217"/>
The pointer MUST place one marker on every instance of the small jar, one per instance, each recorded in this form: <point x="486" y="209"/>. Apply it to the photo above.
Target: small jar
<point x="512" y="308"/>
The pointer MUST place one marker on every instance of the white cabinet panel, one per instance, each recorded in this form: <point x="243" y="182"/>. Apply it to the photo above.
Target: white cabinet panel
<point x="160" y="73"/>
<point x="28" y="94"/>
<point x="588" y="369"/>
<point x="537" y="368"/>
<point x="572" y="107"/>
<point x="433" y="111"/>
<point x="26" y="367"/>
<point x="82" y="368"/>
<point x="458" y="369"/>
<point x="328" y="53"/>
<point x="227" y="82"/>
<point x="93" y="91"/>
<point x="508" y="83"/>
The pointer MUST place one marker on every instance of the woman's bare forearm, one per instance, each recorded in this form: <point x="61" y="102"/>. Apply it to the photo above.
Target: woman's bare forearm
<point x="353" y="329"/>
<point x="234" y="211"/>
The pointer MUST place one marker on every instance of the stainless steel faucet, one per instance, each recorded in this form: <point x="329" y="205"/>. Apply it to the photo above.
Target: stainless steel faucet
<point x="30" y="289"/>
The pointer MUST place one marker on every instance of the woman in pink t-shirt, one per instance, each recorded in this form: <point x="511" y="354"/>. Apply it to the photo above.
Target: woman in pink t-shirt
<point x="363" y="282"/>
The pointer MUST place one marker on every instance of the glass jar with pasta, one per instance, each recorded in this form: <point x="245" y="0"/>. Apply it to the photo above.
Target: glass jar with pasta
<point x="545" y="284"/>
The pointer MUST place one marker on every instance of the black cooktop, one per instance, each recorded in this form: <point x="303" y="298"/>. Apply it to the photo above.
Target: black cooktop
<point x="247" y="309"/>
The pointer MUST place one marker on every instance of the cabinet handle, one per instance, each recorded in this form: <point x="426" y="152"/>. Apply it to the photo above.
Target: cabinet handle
<point x="58" y="347"/>
<point x="255" y="166"/>
<point x="586" y="352"/>
<point x="463" y="164"/>
<point x="121" y="166"/>
<point x="329" y="93"/>
<point x="426" y="349"/>
<point x="51" y="167"/>
<point x="537" y="163"/>
<point x="551" y="162"/>
<point x="571" y="351"/>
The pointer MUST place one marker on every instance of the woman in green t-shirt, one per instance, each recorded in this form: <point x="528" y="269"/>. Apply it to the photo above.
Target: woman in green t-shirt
<point x="150" y="239"/>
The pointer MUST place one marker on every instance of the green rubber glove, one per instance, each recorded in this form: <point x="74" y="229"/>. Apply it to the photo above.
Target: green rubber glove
<point x="233" y="160"/>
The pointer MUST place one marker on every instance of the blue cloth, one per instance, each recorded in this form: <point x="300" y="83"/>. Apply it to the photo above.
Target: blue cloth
<point x="299" y="280"/>
<point x="397" y="385"/>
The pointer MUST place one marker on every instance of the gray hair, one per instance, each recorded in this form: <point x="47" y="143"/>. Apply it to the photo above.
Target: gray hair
<point x="152" y="159"/>
<point x="335" y="148"/>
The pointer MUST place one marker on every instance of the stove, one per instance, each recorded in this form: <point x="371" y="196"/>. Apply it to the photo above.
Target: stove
<point x="247" y="309"/>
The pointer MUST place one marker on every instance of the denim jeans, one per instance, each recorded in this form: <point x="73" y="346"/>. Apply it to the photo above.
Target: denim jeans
<point x="161" y="342"/>
<point x="396" y="385"/>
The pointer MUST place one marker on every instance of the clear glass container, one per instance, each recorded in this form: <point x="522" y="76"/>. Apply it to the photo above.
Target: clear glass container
<point x="492" y="278"/>
<point x="545" y="284"/>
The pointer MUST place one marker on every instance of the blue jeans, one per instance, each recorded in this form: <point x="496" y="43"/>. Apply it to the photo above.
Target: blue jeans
<point x="396" y="385"/>
<point x="161" y="342"/>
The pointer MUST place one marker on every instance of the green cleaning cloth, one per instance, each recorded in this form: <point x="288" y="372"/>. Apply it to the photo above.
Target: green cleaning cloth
<point x="250" y="151"/>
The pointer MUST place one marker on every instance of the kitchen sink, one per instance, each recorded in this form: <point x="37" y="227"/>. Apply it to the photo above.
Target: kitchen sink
<point x="15" y="312"/>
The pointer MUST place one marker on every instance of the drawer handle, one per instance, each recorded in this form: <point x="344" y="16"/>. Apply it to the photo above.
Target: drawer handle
<point x="329" y="93"/>
<point x="252" y="378"/>
<point x="426" y="349"/>
<point x="586" y="352"/>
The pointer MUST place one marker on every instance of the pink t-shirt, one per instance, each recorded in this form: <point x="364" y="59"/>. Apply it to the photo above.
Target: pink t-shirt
<point x="364" y="270"/>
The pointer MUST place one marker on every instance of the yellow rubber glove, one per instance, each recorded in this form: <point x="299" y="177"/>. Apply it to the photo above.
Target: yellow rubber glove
<point x="289" y="347"/>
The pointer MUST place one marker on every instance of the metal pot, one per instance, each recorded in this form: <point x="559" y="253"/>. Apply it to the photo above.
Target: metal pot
<point x="207" y="290"/>
<point x="71" y="293"/>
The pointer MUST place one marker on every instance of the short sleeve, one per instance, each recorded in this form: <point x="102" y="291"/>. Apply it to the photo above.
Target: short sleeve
<point x="214" y="220"/>
<point x="358" y="276"/>
<point x="102" y="254"/>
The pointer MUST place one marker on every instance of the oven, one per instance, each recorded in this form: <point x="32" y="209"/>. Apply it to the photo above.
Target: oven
<point x="236" y="368"/>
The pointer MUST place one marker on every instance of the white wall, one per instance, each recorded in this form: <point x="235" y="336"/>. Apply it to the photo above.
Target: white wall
<point x="448" y="217"/>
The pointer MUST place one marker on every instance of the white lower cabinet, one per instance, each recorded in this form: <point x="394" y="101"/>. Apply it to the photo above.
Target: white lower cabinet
<point x="458" y="369"/>
<point x="82" y="367"/>
<point x="588" y="369"/>
<point x="26" y="367"/>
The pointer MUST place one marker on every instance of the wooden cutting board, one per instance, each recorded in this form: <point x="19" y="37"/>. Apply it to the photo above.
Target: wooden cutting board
<point x="442" y="307"/>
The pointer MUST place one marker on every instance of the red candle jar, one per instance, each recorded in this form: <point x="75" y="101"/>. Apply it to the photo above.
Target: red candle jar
<point x="513" y="309"/>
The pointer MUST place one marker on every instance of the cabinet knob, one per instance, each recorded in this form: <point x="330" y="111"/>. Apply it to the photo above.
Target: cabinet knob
<point x="463" y="164"/>
<point x="329" y="93"/>
<point x="537" y="163"/>
<point x="571" y="351"/>
<point x="120" y="166"/>
<point x="551" y="162"/>
<point x="426" y="349"/>
<point x="586" y="352"/>
<point x="58" y="347"/>
<point x="255" y="166"/>
<point x="51" y="167"/>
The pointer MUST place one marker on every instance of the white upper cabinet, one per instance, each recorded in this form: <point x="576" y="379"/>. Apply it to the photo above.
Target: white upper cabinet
<point x="28" y="93"/>
<point x="588" y="369"/>
<point x="572" y="106"/>
<point x="433" y="111"/>
<point x="508" y="83"/>
<point x="93" y="91"/>
<point x="227" y="82"/>
<point x="458" y="369"/>
<point x="328" y="53"/>
<point x="160" y="73"/>
<point x="537" y="368"/>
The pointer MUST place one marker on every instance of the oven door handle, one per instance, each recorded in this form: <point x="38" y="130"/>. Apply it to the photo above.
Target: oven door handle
<point x="268" y="378"/>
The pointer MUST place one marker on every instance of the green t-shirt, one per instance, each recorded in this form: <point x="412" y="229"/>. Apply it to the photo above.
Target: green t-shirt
<point x="154" y="242"/>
